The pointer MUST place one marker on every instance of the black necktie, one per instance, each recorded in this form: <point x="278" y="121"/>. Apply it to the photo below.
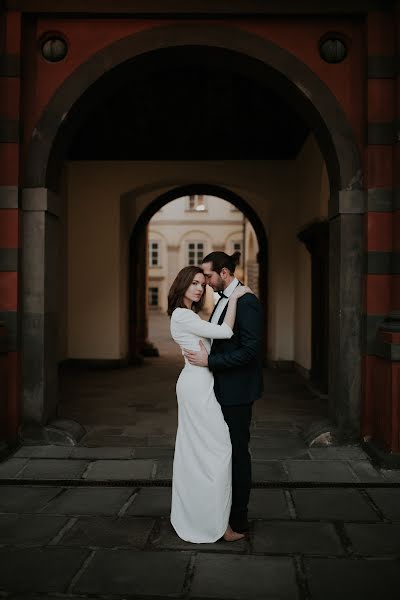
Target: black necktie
<point x="222" y="295"/>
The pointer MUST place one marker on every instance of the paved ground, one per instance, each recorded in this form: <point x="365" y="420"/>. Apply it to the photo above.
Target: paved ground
<point x="92" y="521"/>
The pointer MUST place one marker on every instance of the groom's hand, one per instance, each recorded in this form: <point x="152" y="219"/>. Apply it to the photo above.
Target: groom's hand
<point x="199" y="359"/>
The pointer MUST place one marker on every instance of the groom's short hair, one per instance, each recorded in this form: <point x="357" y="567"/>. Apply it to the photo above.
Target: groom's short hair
<point x="221" y="260"/>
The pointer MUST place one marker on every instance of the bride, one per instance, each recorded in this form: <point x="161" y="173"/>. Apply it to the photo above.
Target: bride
<point x="201" y="482"/>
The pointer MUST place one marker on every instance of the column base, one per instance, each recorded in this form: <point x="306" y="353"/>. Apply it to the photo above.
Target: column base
<point x="381" y="457"/>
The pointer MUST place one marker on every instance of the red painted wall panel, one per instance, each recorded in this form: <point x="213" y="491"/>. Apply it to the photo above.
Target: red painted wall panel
<point x="8" y="290"/>
<point x="9" y="164"/>
<point x="9" y="222"/>
<point x="379" y="232"/>
<point x="378" y="294"/>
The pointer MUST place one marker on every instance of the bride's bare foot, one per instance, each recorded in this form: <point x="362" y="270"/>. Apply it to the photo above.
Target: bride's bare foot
<point x="232" y="536"/>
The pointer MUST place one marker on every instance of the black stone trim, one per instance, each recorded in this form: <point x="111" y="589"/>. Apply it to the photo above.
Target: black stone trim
<point x="396" y="263"/>
<point x="396" y="198"/>
<point x="10" y="320"/>
<point x="8" y="196"/>
<point x="206" y="8"/>
<point x="9" y="65"/>
<point x="382" y="67"/>
<point x="378" y="263"/>
<point x="387" y="351"/>
<point x="8" y="259"/>
<point x="382" y="133"/>
<point x="380" y="456"/>
<point x="370" y="326"/>
<point x="380" y="199"/>
<point x="9" y="131"/>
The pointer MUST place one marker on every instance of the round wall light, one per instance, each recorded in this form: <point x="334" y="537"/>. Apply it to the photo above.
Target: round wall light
<point x="54" y="49"/>
<point x="332" y="49"/>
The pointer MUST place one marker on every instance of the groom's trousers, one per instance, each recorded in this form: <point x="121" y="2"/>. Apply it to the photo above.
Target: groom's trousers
<point x="238" y="419"/>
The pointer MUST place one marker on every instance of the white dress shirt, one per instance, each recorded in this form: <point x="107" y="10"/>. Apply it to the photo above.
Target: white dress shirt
<point x="224" y="301"/>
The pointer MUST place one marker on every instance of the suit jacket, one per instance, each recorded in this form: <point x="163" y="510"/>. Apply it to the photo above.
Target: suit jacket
<point x="237" y="363"/>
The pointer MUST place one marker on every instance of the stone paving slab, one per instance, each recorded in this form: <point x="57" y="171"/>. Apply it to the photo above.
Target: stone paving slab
<point x="277" y="439"/>
<point x="391" y="475"/>
<point x="353" y="579"/>
<point x="154" y="452"/>
<point x="168" y="539"/>
<point x="43" y="569"/>
<point x="24" y="499"/>
<point x="338" y="453"/>
<point x="106" y="532"/>
<point x="375" y="539"/>
<point x="39" y="468"/>
<point x="106" y="470"/>
<point x="151" y="502"/>
<point x="294" y="537"/>
<point x="164" y="468"/>
<point x="11" y="467"/>
<point x="29" y="530"/>
<point x="89" y="501"/>
<point x="268" y="504"/>
<point x="104" y="453"/>
<point x="279" y="454"/>
<point x="387" y="500"/>
<point x="44" y="452"/>
<point x="320" y="471"/>
<point x="268" y="470"/>
<point x="332" y="505"/>
<point x="365" y="472"/>
<point x="243" y="578"/>
<point x="130" y="571"/>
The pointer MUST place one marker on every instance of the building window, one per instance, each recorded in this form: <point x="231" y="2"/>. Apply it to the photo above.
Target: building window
<point x="236" y="246"/>
<point x="154" y="254"/>
<point x="195" y="253"/>
<point x="196" y="202"/>
<point x="153" y="296"/>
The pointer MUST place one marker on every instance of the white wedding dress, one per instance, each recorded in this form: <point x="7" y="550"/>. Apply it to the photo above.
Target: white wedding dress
<point x="201" y="482"/>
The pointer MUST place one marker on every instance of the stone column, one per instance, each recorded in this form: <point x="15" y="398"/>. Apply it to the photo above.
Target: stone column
<point x="345" y="311"/>
<point x="40" y="291"/>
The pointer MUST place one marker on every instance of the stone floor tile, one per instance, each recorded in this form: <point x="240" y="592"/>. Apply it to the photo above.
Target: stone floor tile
<point x="279" y="454"/>
<point x="163" y="469"/>
<point x="154" y="452"/>
<point x="43" y="569"/>
<point x="130" y="571"/>
<point x="244" y="578"/>
<point x="44" y="452"/>
<point x="330" y="504"/>
<point x="151" y="502"/>
<point x="391" y="475"/>
<point x="268" y="470"/>
<point x="375" y="539"/>
<point x="268" y="504"/>
<point x="108" y="532"/>
<point x="387" y="500"/>
<point x="319" y="470"/>
<point x="169" y="539"/>
<point x="25" y="499"/>
<point x="89" y="501"/>
<point x="365" y="472"/>
<point x="103" y="452"/>
<point x="294" y="537"/>
<point x="278" y="440"/>
<point x="49" y="468"/>
<point x="161" y="440"/>
<point x="352" y="579"/>
<point x="29" y="529"/>
<point x="338" y="453"/>
<point x="12" y="466"/>
<point x="105" y="470"/>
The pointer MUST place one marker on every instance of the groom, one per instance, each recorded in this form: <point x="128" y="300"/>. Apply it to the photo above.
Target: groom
<point x="237" y="368"/>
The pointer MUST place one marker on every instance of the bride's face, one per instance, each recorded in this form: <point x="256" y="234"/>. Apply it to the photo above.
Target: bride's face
<point x="196" y="288"/>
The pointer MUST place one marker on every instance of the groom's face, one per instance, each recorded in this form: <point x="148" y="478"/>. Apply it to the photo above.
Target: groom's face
<point x="213" y="278"/>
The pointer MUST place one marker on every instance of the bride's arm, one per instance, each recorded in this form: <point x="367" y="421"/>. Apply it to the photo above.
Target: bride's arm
<point x="230" y="314"/>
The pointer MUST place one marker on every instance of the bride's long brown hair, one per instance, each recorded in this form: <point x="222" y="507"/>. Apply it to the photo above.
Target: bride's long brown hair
<point x="178" y="289"/>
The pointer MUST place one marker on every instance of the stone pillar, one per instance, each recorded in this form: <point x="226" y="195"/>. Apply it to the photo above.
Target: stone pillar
<point x="40" y="276"/>
<point x="345" y="309"/>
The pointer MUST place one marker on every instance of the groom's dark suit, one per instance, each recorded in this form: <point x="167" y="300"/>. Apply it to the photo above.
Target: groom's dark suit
<point x="237" y="368"/>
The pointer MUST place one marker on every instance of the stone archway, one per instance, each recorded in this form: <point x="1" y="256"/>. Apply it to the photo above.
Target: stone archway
<point x="310" y="98"/>
<point x="138" y="250"/>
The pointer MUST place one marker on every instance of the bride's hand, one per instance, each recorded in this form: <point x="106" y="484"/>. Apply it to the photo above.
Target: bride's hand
<point x="240" y="291"/>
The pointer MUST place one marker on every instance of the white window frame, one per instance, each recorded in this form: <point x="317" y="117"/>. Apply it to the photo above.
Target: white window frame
<point x="196" y="203"/>
<point x="198" y="253"/>
<point x="157" y="250"/>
